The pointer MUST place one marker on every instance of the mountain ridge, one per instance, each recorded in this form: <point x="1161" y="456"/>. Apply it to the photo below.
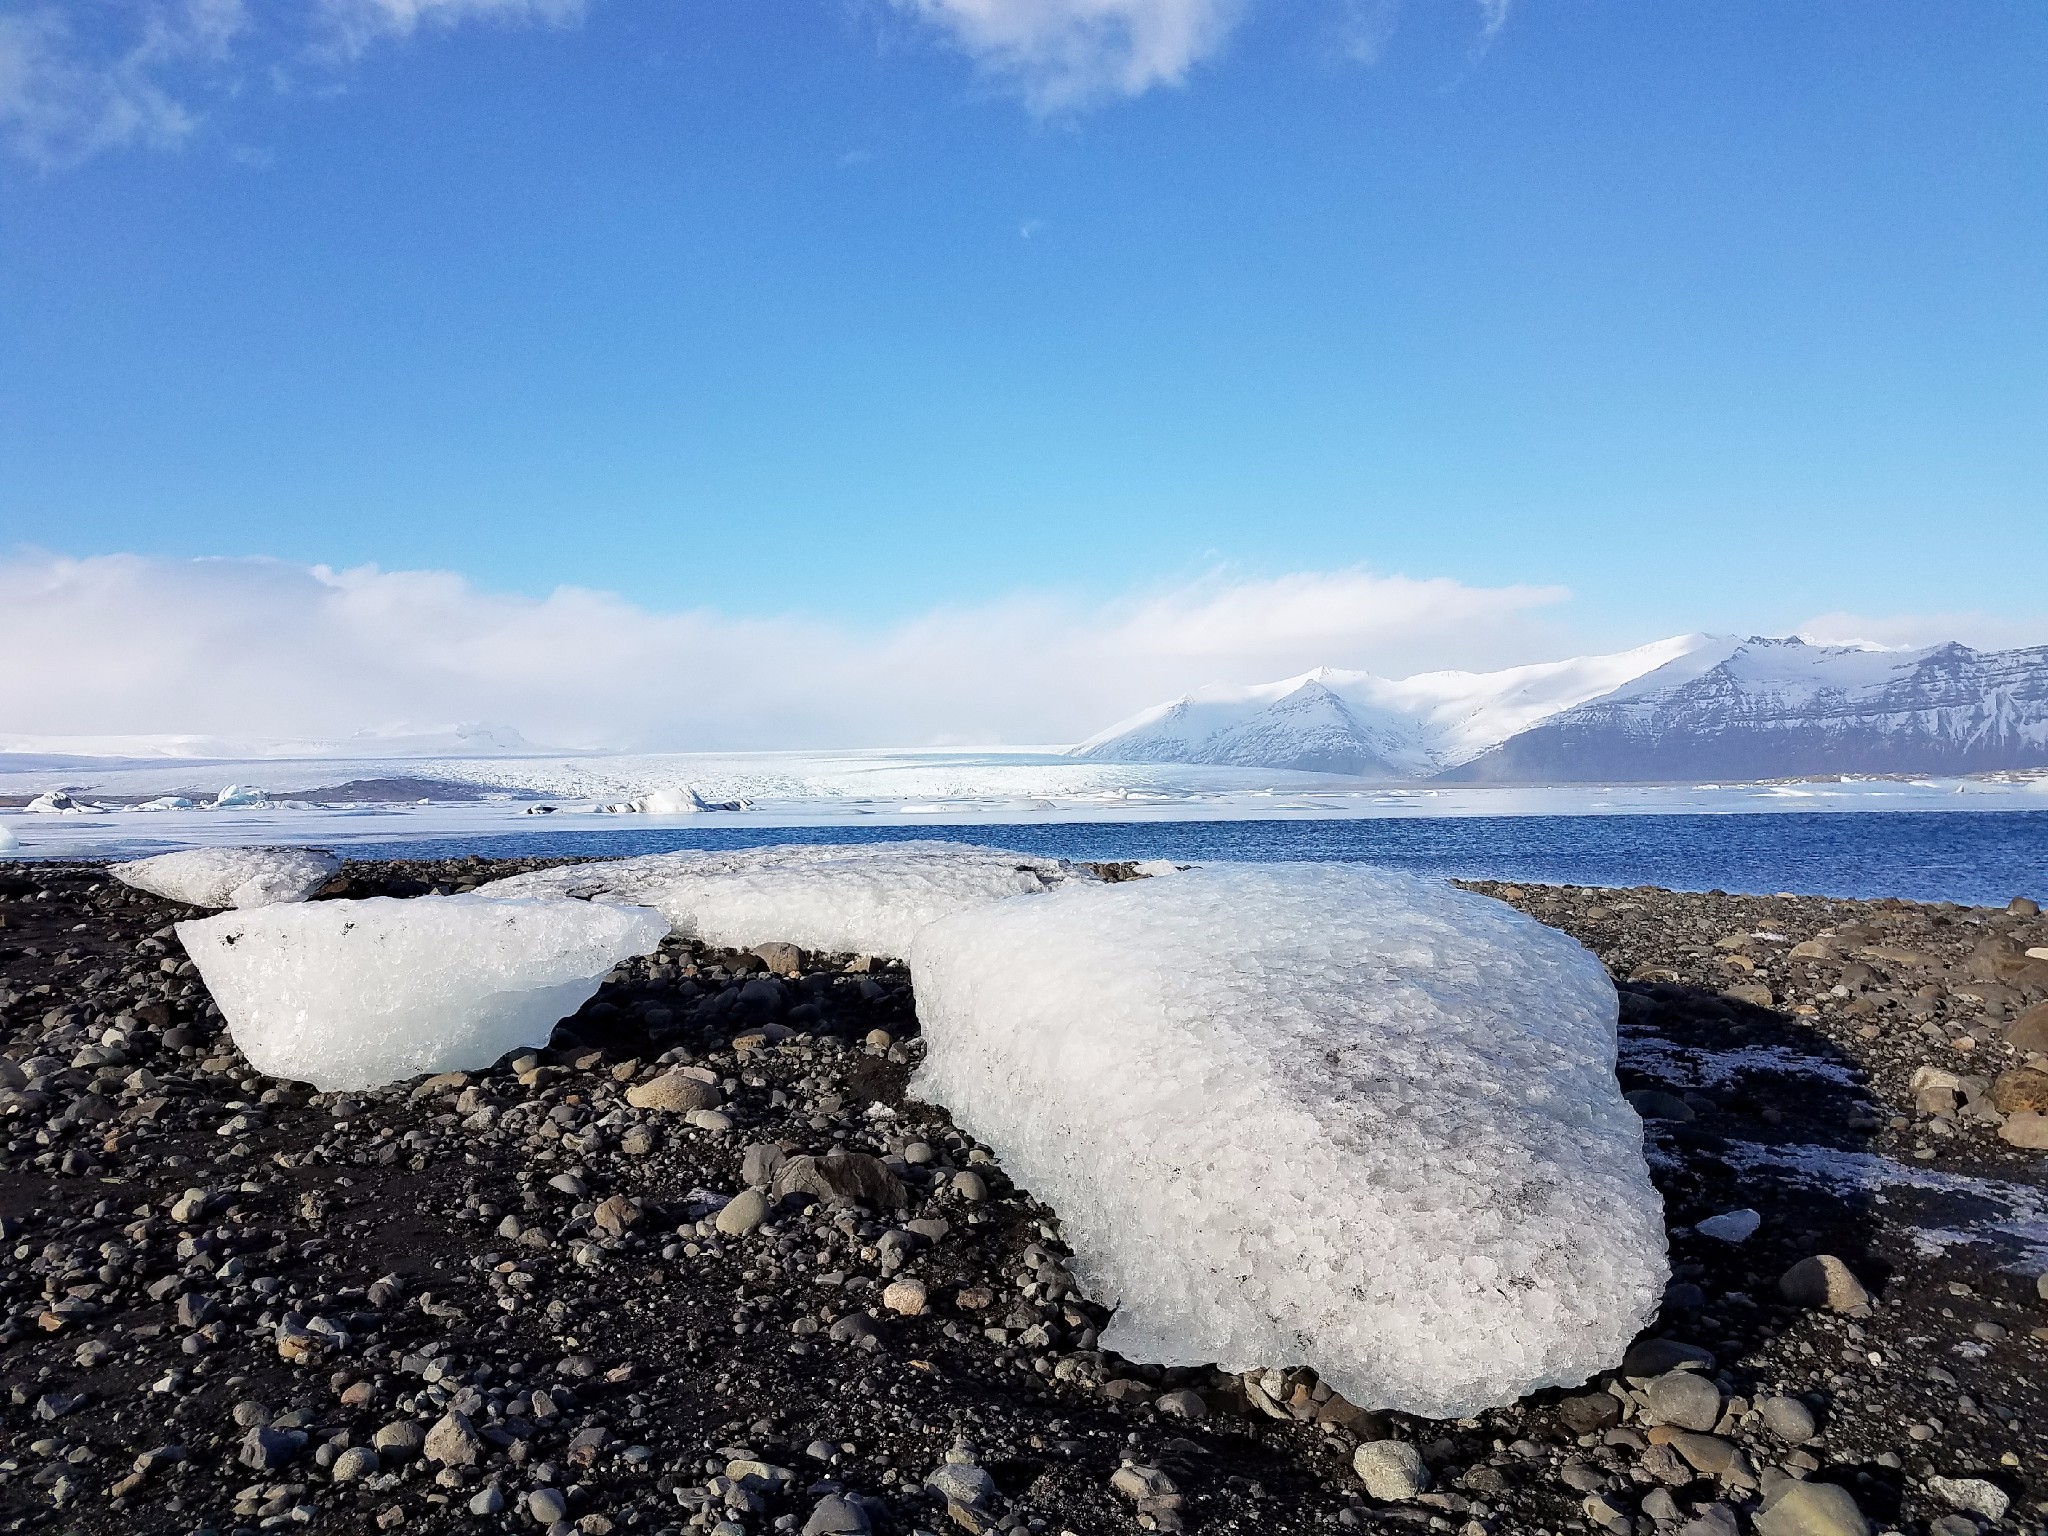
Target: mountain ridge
<point x="1690" y="706"/>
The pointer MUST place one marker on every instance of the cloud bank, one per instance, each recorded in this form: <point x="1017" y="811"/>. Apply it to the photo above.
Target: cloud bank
<point x="263" y="649"/>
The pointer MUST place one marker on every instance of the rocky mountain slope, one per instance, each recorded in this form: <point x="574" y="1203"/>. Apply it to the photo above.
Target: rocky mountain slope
<point x="1691" y="707"/>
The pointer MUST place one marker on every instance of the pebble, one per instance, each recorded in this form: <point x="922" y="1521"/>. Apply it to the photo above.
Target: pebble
<point x="1787" y="1418"/>
<point x="1823" y="1281"/>
<point x="743" y="1213"/>
<point x="1392" y="1470"/>
<point x="1685" y="1399"/>
<point x="1811" y="1509"/>
<point x="1977" y="1495"/>
<point x="674" y="1093"/>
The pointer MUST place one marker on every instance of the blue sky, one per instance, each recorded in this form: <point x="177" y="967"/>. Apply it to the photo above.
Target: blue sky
<point x="1717" y="316"/>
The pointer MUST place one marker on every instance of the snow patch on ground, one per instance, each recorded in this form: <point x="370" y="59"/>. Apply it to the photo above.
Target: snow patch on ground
<point x="861" y="898"/>
<point x="231" y="877"/>
<point x="1321" y="1114"/>
<point x="354" y="994"/>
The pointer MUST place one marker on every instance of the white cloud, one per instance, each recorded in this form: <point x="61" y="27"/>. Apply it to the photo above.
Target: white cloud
<point x="359" y="23"/>
<point x="65" y="97"/>
<point x="133" y="645"/>
<point x="1907" y="631"/>
<point x="1063" y="54"/>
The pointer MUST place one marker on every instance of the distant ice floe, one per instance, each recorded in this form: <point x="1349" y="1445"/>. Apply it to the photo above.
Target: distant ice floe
<point x="354" y="994"/>
<point x="672" y="802"/>
<point x="861" y="898"/>
<point x="231" y="877"/>
<point x="1322" y="1114"/>
<point x="9" y="843"/>
<point x="236" y="796"/>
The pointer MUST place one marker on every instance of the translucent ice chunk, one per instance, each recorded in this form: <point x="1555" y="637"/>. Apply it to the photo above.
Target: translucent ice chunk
<point x="351" y="994"/>
<point x="1311" y="1114"/>
<point x="231" y="877"/>
<point x="855" y="898"/>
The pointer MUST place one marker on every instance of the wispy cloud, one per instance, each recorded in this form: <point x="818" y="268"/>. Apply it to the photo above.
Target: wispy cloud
<point x="266" y="649"/>
<point x="1064" y="54"/>
<point x="1984" y="631"/>
<point x="66" y="94"/>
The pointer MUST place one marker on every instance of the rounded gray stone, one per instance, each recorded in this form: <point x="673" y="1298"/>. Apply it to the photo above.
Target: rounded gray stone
<point x="1392" y="1470"/>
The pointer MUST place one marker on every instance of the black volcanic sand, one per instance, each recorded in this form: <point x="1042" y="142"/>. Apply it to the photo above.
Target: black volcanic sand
<point x="235" y="1304"/>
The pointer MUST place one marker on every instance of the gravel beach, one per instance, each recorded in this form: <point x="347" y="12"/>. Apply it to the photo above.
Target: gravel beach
<point x="702" y="1265"/>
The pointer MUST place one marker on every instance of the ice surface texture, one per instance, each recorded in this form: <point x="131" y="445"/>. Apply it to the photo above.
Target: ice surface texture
<point x="1311" y="1114"/>
<point x="9" y="843"/>
<point x="864" y="899"/>
<point x="231" y="877"/>
<point x="352" y="994"/>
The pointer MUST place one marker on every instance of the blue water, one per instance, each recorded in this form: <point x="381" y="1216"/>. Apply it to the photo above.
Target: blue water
<point x="1977" y="858"/>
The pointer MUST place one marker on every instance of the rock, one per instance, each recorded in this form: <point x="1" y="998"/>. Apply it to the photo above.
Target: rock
<point x="1648" y="1358"/>
<point x="841" y="1176"/>
<point x="1590" y="1412"/>
<point x="2023" y="906"/>
<point x="856" y="1328"/>
<point x="1714" y="1520"/>
<point x="1654" y="1104"/>
<point x="1755" y="993"/>
<point x="1976" y="1495"/>
<point x="1787" y="1418"/>
<point x="355" y="1462"/>
<point x="1684" y="1399"/>
<point x="265" y="1449"/>
<point x="674" y="1093"/>
<point x="962" y="1483"/>
<point x="2025" y="1130"/>
<point x="544" y="1506"/>
<point x="2029" y="1032"/>
<point x="1392" y="1470"/>
<point x="637" y="1142"/>
<point x="1823" y="1281"/>
<point x="906" y="1296"/>
<point x="782" y="959"/>
<point x="742" y="1213"/>
<point x="970" y="1186"/>
<point x="836" y="1515"/>
<point x="759" y="1162"/>
<point x="400" y="1440"/>
<point x="453" y="1441"/>
<point x="615" y="1213"/>
<point x="1705" y="1453"/>
<point x="1182" y="1403"/>
<point x="489" y="1500"/>
<point x="2019" y="1091"/>
<point x="1730" y="1226"/>
<point x="1810" y="1509"/>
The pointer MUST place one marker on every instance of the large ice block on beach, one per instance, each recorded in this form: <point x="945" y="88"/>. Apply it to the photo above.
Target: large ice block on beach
<point x="353" y="994"/>
<point x="850" y="898"/>
<point x="1310" y="1114"/>
<point x="231" y="877"/>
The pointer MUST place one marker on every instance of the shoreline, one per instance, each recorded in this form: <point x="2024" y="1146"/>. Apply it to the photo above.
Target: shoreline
<point x="777" y="1343"/>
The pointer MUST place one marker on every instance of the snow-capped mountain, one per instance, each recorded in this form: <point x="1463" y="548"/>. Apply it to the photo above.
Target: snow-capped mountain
<point x="1695" y="706"/>
<point x="1775" y="708"/>
<point x="1327" y="721"/>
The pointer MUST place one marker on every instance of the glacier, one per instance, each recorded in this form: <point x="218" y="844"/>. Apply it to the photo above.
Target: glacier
<point x="1310" y="1114"/>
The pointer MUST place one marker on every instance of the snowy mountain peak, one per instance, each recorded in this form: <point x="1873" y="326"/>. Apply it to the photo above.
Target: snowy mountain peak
<point x="1694" y="705"/>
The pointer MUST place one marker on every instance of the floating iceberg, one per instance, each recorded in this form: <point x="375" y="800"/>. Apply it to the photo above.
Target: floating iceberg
<point x="9" y="843"/>
<point x="57" y="802"/>
<point x="239" y="795"/>
<point x="351" y="994"/>
<point x="231" y="877"/>
<point x="1311" y="1114"/>
<point x="164" y="803"/>
<point x="854" y="898"/>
